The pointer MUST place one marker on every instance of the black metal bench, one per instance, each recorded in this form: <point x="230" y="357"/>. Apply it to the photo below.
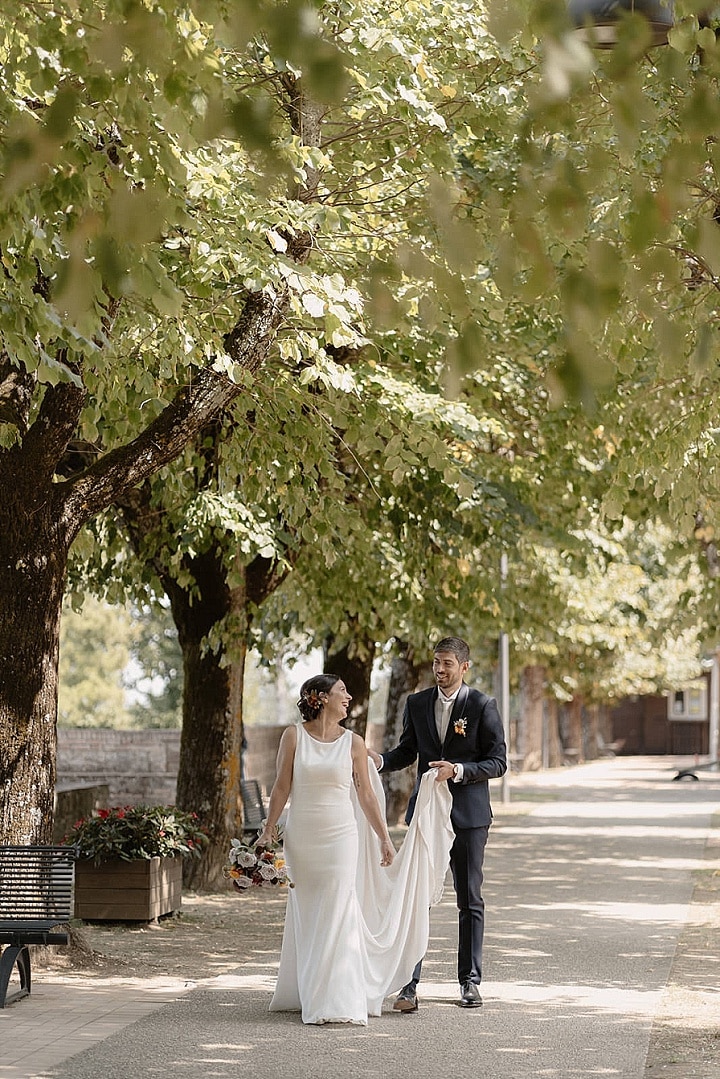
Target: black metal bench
<point x="36" y="895"/>
<point x="254" y="812"/>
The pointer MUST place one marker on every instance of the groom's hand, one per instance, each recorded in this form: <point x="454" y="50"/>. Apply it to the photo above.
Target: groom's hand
<point x="375" y="758"/>
<point x="445" y="770"/>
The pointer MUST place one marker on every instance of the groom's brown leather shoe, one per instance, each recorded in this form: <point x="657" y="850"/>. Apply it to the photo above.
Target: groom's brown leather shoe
<point x="406" y="1000"/>
<point x="469" y="995"/>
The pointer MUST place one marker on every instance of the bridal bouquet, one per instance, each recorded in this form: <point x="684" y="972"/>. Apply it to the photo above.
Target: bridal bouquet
<point x="258" y="867"/>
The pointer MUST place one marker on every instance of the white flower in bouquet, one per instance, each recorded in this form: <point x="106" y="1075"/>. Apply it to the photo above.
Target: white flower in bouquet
<point x="246" y="859"/>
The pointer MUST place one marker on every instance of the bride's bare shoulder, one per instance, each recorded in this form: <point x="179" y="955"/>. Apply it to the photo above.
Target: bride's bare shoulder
<point x="358" y="747"/>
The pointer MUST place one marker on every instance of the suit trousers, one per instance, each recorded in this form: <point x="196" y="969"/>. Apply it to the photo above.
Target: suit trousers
<point x="466" y="863"/>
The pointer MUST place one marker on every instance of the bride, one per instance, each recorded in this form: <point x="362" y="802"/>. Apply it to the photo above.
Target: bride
<point x="357" y="917"/>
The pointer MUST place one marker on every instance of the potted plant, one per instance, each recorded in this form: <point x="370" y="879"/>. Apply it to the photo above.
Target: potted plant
<point x="130" y="861"/>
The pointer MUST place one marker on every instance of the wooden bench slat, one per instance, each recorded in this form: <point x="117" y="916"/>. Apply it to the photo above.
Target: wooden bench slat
<point x="253" y="806"/>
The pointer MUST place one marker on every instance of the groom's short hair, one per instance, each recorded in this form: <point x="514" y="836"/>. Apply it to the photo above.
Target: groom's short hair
<point x="459" y="648"/>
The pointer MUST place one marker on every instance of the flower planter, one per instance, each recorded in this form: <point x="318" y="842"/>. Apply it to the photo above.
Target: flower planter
<point x="118" y="891"/>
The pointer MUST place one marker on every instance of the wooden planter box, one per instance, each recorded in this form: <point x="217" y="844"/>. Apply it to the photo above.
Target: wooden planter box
<point x="118" y="891"/>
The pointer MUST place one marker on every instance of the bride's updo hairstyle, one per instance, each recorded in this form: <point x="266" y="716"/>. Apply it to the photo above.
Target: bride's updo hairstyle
<point x="310" y="702"/>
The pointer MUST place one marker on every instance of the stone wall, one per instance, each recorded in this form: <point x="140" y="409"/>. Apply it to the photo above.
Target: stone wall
<point x="137" y="766"/>
<point x="261" y="754"/>
<point x="141" y="766"/>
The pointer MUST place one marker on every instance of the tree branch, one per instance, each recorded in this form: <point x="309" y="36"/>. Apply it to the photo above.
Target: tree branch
<point x="51" y="432"/>
<point x="16" y="390"/>
<point x="195" y="406"/>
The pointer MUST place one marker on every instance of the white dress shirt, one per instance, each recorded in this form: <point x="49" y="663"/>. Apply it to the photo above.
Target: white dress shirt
<point x="443" y="708"/>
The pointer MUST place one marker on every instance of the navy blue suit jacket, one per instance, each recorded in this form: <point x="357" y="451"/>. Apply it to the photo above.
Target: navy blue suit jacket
<point x="478" y="744"/>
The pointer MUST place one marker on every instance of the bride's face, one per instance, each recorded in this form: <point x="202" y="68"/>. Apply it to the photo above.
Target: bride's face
<point x="338" y="701"/>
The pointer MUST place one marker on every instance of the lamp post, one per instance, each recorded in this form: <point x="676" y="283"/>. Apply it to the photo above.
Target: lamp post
<point x="597" y="21"/>
<point x="504" y="664"/>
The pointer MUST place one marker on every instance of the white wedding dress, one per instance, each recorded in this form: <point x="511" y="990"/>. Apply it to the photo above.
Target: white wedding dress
<point x="353" y="930"/>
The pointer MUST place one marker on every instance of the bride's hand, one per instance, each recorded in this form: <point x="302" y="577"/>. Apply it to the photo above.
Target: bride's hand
<point x="266" y="838"/>
<point x="388" y="852"/>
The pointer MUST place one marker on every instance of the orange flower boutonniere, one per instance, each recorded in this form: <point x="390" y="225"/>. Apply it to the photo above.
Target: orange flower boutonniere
<point x="460" y="726"/>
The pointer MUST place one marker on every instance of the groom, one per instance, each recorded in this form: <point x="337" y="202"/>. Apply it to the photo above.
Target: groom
<point x="457" y="730"/>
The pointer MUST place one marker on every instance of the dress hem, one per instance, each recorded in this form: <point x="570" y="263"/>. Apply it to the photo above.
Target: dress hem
<point x="337" y="1019"/>
<point x="323" y="1022"/>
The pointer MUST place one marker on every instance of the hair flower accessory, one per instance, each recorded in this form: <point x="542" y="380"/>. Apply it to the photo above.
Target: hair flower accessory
<point x="460" y="726"/>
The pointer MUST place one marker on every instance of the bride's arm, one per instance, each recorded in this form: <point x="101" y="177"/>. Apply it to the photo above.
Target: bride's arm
<point x="281" y="787"/>
<point x="368" y="802"/>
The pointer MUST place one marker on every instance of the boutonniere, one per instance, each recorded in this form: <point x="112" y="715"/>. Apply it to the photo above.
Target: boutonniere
<point x="460" y="726"/>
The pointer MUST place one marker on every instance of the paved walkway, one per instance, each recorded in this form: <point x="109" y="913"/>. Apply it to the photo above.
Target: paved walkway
<point x="602" y="960"/>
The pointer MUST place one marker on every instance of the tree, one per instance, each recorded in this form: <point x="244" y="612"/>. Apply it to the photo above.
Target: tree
<point x="102" y="110"/>
<point x="612" y="202"/>
<point x="354" y="183"/>
<point x="623" y="613"/>
<point x="604" y="215"/>
<point x="171" y="287"/>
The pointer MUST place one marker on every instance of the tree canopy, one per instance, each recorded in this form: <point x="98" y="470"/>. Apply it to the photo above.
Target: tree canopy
<point x="327" y="307"/>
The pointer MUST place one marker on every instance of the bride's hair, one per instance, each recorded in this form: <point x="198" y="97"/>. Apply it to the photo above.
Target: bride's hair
<point x="310" y="703"/>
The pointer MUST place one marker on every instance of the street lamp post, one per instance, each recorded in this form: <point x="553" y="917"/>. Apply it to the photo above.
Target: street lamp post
<point x="504" y="664"/>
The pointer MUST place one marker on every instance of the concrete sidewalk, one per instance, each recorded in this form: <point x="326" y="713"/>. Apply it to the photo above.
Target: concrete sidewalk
<point x="602" y="960"/>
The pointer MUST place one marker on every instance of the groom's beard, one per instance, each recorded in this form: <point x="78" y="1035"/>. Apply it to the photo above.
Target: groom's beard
<point x="444" y="683"/>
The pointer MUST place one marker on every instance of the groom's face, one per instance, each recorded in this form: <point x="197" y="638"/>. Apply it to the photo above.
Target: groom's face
<point x="448" y="671"/>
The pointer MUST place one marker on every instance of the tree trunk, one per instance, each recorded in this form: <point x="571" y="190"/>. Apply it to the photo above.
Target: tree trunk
<point x="211" y="742"/>
<point x="554" y="750"/>
<point x="574" y="746"/>
<point x="406" y="677"/>
<point x="591" y="731"/>
<point x="33" y="556"/>
<point x="36" y="530"/>
<point x="353" y="662"/>
<point x="605" y="730"/>
<point x="530" y="726"/>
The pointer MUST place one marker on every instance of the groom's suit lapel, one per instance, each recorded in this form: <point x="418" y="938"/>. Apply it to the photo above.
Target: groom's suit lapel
<point x="430" y="717"/>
